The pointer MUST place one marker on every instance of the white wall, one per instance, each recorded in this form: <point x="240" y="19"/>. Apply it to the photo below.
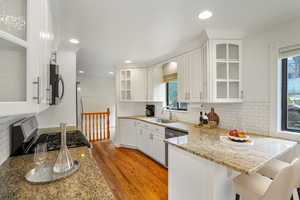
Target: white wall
<point x="66" y="111"/>
<point x="98" y="94"/>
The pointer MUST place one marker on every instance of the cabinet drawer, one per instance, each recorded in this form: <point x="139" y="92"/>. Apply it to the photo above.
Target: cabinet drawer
<point x="157" y="130"/>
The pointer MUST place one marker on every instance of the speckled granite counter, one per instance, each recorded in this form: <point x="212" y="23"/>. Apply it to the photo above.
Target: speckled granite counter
<point x="182" y="126"/>
<point x="207" y="144"/>
<point x="87" y="183"/>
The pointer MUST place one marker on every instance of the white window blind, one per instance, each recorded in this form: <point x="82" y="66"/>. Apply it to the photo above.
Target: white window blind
<point x="289" y="51"/>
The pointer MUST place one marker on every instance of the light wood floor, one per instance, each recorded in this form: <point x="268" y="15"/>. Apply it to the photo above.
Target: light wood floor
<point x="130" y="174"/>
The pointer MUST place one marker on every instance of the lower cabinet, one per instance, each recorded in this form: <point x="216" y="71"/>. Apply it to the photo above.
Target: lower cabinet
<point x="146" y="137"/>
<point x="127" y="132"/>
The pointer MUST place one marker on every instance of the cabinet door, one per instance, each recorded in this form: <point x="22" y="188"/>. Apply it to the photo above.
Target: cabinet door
<point x="188" y="76"/>
<point x="196" y="76"/>
<point x="204" y="89"/>
<point x="16" y="69"/>
<point x="125" y="77"/>
<point x="46" y="41"/>
<point x="140" y="137"/>
<point x="156" y="88"/>
<point x="139" y="84"/>
<point x="181" y="79"/>
<point x="146" y="145"/>
<point x="227" y="66"/>
<point x="158" y="149"/>
<point x="128" y="132"/>
<point x="13" y="18"/>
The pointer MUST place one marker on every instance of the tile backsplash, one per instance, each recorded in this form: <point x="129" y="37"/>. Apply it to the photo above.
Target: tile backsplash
<point x="249" y="116"/>
<point x="5" y="123"/>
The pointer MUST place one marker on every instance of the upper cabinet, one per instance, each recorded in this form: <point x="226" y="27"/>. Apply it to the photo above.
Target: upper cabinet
<point x="211" y="74"/>
<point x="141" y="84"/>
<point x="189" y="76"/>
<point x="133" y="84"/>
<point x="155" y="84"/>
<point x="226" y="63"/>
<point x="13" y="18"/>
<point x="25" y="48"/>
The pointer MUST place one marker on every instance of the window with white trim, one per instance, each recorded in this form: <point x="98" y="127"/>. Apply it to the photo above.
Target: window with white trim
<point x="290" y="89"/>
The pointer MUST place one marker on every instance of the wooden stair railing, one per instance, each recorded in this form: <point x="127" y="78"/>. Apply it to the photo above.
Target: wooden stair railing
<point x="96" y="125"/>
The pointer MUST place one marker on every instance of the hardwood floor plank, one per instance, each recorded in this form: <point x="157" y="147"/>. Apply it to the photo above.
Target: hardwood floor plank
<point x="130" y="174"/>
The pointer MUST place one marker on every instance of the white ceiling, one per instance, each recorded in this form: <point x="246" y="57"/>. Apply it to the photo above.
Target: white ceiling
<point x="112" y="31"/>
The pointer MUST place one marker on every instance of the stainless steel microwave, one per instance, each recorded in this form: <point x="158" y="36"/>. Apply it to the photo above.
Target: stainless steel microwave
<point x="57" y="86"/>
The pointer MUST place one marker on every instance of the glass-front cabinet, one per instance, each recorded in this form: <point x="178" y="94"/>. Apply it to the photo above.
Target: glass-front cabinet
<point x="125" y="80"/>
<point x="13" y="17"/>
<point x="227" y="71"/>
<point x="22" y="45"/>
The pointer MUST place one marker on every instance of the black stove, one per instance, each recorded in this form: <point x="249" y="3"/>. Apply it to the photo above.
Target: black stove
<point x="24" y="138"/>
<point x="53" y="140"/>
<point x="74" y="139"/>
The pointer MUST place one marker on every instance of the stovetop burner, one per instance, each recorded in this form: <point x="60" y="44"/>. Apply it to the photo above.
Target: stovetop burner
<point x="74" y="139"/>
<point x="53" y="140"/>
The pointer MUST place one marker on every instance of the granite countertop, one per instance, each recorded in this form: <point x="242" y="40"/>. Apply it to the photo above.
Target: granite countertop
<point x="87" y="183"/>
<point x="206" y="143"/>
<point x="178" y="125"/>
<point x="246" y="158"/>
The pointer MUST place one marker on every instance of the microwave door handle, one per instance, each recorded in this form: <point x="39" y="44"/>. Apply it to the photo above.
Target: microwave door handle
<point x="63" y="87"/>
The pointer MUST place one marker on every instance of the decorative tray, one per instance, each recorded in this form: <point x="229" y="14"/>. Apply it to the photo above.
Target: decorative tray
<point x="45" y="174"/>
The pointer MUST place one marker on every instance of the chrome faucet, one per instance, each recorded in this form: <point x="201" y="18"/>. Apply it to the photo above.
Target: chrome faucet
<point x="167" y="108"/>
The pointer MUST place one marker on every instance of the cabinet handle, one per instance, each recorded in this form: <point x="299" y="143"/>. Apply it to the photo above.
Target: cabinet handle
<point x="38" y="83"/>
<point x="242" y="94"/>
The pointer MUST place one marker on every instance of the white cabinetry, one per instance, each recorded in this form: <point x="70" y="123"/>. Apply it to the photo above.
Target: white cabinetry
<point x="226" y="68"/>
<point x="144" y="136"/>
<point x="157" y="143"/>
<point x="151" y="140"/>
<point x="25" y="52"/>
<point x="189" y="76"/>
<point x="155" y="84"/>
<point x="133" y="84"/>
<point x="211" y="73"/>
<point x="128" y="133"/>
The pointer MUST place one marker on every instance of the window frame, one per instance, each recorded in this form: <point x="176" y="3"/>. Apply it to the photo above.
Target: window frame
<point x="284" y="96"/>
<point x="167" y="100"/>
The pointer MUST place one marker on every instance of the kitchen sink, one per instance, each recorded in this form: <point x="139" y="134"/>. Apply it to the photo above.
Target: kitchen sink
<point x="163" y="121"/>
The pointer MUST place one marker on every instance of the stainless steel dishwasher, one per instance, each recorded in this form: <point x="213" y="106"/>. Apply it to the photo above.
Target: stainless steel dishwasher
<point x="171" y="133"/>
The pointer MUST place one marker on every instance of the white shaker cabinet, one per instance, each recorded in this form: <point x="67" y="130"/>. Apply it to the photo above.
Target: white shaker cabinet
<point x="189" y="76"/>
<point x="156" y="87"/>
<point x="212" y="73"/>
<point x="133" y="85"/>
<point x="127" y="132"/>
<point x="146" y="137"/>
<point x="25" y="49"/>
<point x="226" y="65"/>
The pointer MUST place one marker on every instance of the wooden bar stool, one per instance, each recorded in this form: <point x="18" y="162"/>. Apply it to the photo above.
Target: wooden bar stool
<point x="259" y="187"/>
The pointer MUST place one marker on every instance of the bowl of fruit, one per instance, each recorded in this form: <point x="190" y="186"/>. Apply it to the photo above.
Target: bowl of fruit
<point x="238" y="136"/>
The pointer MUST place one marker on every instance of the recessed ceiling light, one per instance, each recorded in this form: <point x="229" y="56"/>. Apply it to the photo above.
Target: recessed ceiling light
<point x="128" y="61"/>
<point x="74" y="41"/>
<point x="111" y="73"/>
<point x="205" y="15"/>
<point x="81" y="72"/>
